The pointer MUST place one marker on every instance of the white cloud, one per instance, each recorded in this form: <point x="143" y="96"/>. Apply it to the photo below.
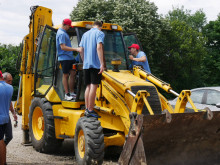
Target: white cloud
<point x="14" y="14"/>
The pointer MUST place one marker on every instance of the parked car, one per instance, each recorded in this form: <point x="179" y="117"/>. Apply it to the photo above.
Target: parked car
<point x="204" y="97"/>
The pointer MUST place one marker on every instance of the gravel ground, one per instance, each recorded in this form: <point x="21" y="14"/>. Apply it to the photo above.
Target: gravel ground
<point x="18" y="154"/>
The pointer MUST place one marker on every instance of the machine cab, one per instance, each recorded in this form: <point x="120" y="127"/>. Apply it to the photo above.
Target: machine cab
<point x="48" y="71"/>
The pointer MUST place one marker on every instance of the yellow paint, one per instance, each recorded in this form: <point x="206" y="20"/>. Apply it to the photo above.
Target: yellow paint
<point x="41" y="17"/>
<point x="67" y="125"/>
<point x="182" y="100"/>
<point x="115" y="140"/>
<point x="140" y="73"/>
<point x="81" y="144"/>
<point x="105" y="26"/>
<point x="165" y="104"/>
<point x="111" y="122"/>
<point x="38" y="123"/>
<point x="52" y="96"/>
<point x="118" y="103"/>
<point x="118" y="62"/>
<point x="26" y="99"/>
<point x="69" y="104"/>
<point x="43" y="89"/>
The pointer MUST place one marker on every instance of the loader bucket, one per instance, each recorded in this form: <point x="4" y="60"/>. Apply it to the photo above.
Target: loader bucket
<point x="179" y="139"/>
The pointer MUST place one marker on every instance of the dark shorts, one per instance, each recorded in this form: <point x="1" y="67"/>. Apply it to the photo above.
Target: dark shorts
<point x="8" y="132"/>
<point x="2" y="131"/>
<point x="91" y="76"/>
<point x="67" y="65"/>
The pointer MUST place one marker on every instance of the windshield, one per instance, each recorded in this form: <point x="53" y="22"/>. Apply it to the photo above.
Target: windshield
<point x="113" y="47"/>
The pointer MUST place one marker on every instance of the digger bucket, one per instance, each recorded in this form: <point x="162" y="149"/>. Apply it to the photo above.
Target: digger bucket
<point x="177" y="139"/>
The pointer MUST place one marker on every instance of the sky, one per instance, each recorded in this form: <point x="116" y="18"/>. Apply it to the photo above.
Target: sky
<point x="14" y="14"/>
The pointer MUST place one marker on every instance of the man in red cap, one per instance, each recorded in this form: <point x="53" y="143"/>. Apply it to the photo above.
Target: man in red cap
<point x="66" y="58"/>
<point x="6" y="92"/>
<point x="138" y="57"/>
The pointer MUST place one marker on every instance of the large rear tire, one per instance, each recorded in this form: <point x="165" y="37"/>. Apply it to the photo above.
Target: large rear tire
<point x="41" y="126"/>
<point x="89" y="141"/>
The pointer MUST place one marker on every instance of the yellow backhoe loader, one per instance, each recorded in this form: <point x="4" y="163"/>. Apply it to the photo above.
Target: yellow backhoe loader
<point x="134" y="114"/>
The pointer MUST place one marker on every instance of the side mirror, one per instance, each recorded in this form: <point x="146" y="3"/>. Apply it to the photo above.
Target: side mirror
<point x="218" y="105"/>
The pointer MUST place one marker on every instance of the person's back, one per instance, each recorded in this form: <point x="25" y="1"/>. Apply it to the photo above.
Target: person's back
<point x="6" y="92"/>
<point x="90" y="40"/>
<point x="91" y="51"/>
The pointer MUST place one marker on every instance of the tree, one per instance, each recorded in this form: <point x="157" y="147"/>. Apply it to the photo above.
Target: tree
<point x="182" y="49"/>
<point x="197" y="20"/>
<point x="211" y="62"/>
<point x="90" y="10"/>
<point x="184" y="53"/>
<point x="138" y="16"/>
<point x="8" y="60"/>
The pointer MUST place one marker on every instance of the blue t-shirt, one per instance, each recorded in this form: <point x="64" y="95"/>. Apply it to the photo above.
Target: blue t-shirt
<point x="144" y="64"/>
<point x="6" y="92"/>
<point x="89" y="42"/>
<point x="63" y="38"/>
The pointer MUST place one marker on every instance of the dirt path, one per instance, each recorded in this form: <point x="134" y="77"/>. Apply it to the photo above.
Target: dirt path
<point x="18" y="154"/>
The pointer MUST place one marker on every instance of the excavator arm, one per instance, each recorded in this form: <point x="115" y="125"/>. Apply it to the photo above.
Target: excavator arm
<point x="183" y="97"/>
<point x="40" y="16"/>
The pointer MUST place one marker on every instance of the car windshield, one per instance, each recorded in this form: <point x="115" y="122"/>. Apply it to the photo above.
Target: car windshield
<point x="113" y="47"/>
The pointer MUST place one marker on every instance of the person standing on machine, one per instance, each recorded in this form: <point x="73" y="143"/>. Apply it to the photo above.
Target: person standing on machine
<point x="66" y="58"/>
<point x="91" y="48"/>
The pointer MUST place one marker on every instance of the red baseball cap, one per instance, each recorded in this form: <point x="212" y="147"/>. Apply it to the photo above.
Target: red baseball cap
<point x="67" y="21"/>
<point x="136" y="46"/>
<point x="1" y="74"/>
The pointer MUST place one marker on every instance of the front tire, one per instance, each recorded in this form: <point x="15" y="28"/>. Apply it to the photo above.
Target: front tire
<point x="41" y="126"/>
<point x="89" y="141"/>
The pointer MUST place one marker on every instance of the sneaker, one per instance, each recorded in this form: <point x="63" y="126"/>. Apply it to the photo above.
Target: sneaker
<point x="91" y="114"/>
<point x="68" y="97"/>
<point x="72" y="94"/>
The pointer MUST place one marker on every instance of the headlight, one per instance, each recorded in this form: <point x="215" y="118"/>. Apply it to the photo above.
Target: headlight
<point x="114" y="27"/>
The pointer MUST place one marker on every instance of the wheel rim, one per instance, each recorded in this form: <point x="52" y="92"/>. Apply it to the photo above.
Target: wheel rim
<point x="38" y="123"/>
<point x="81" y="144"/>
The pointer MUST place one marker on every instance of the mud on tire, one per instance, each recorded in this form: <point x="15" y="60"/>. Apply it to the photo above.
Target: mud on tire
<point x="92" y="152"/>
<point x="47" y="142"/>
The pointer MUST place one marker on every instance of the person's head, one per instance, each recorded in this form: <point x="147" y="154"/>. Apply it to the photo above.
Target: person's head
<point x="1" y="76"/>
<point x="66" y="24"/>
<point x="7" y="78"/>
<point x="97" y="24"/>
<point x="134" y="49"/>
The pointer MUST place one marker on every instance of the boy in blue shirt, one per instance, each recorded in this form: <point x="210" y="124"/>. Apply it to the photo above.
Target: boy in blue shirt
<point x="91" y="48"/>
<point x="138" y="57"/>
<point x="6" y="92"/>
<point x="66" y="58"/>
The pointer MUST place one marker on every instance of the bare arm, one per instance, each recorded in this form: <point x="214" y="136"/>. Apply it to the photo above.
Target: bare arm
<point x="141" y="59"/>
<point x="81" y="51"/>
<point x="13" y="112"/>
<point x="67" y="48"/>
<point x="100" y="55"/>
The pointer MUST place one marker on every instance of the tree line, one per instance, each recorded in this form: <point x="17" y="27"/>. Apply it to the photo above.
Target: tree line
<point x="182" y="47"/>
